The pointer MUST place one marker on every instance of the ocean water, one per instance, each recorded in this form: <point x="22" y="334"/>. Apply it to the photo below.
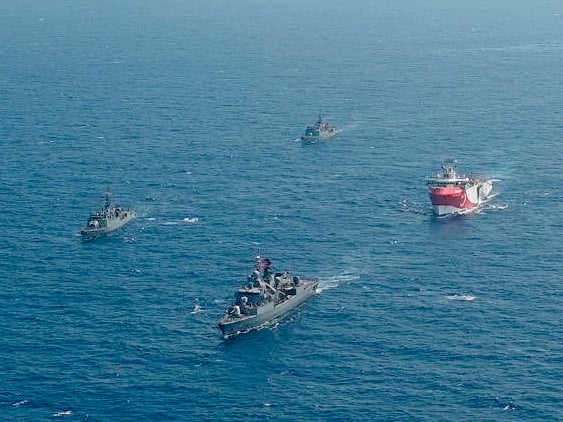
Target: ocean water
<point x="189" y="112"/>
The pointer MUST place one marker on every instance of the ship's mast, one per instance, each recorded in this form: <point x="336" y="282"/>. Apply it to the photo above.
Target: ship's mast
<point x="319" y="120"/>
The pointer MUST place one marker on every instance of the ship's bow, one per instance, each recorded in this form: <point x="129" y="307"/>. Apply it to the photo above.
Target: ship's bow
<point x="449" y="200"/>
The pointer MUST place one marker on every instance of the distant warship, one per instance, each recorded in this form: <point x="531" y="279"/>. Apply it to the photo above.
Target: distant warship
<point x="322" y="129"/>
<point x="266" y="297"/>
<point x="106" y="220"/>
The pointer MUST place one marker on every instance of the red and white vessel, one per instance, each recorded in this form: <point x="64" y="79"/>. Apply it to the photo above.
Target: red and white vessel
<point x="452" y="193"/>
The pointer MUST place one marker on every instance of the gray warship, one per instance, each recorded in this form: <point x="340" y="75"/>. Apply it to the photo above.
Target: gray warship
<point x="106" y="220"/>
<point x="322" y="129"/>
<point x="266" y="297"/>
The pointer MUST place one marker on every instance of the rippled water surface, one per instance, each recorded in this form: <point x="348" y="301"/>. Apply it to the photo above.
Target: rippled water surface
<point x="189" y="112"/>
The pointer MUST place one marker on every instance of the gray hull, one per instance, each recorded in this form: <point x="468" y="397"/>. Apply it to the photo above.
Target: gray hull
<point x="322" y="136"/>
<point x="269" y="312"/>
<point x="112" y="224"/>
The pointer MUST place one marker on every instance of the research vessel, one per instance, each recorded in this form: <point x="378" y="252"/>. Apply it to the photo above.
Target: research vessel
<point x="452" y="193"/>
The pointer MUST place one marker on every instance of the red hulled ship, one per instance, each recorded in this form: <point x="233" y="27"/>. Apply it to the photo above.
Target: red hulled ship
<point x="451" y="193"/>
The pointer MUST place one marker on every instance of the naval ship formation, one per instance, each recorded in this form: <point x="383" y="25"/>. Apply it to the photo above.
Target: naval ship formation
<point x="106" y="220"/>
<point x="451" y="193"/>
<point x="266" y="297"/>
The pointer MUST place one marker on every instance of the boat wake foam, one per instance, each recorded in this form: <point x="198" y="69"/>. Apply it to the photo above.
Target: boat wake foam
<point x="462" y="298"/>
<point x="187" y="220"/>
<point x="63" y="413"/>
<point x="335" y="281"/>
<point x="499" y="207"/>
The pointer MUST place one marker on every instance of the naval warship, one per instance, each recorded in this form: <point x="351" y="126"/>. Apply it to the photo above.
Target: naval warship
<point x="106" y="220"/>
<point x="322" y="129"/>
<point x="266" y="297"/>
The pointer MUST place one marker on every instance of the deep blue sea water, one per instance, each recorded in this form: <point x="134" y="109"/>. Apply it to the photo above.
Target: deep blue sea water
<point x="189" y="111"/>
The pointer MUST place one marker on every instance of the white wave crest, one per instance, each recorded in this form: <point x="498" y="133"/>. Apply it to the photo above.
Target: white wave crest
<point x="19" y="403"/>
<point x="463" y="298"/>
<point x="63" y="413"/>
<point x="187" y="220"/>
<point x="499" y="207"/>
<point x="197" y="309"/>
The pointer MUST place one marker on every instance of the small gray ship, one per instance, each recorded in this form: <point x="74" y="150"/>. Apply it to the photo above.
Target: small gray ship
<point x="106" y="220"/>
<point x="322" y="129"/>
<point x="266" y="297"/>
